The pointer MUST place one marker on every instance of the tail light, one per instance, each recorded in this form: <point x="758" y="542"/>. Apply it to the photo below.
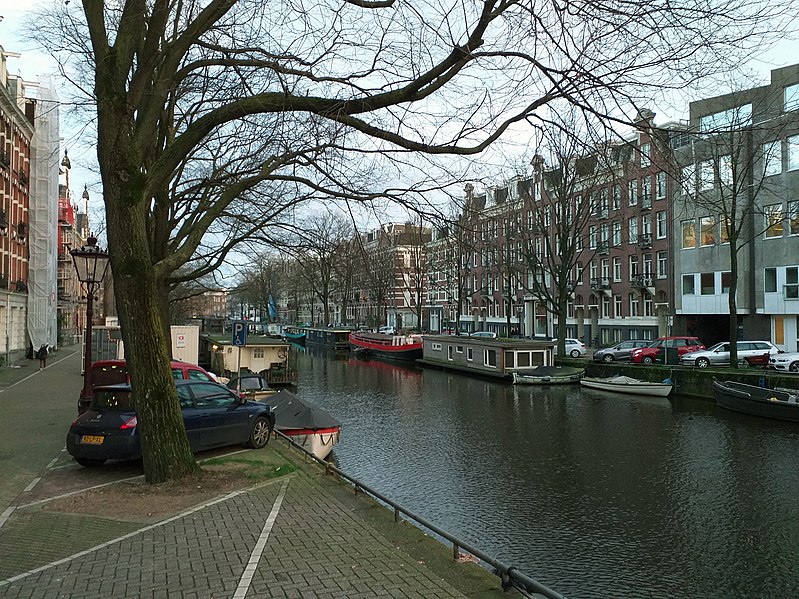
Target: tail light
<point x="129" y="423"/>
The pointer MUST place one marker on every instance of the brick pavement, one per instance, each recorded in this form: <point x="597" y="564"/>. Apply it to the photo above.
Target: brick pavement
<point x="323" y="541"/>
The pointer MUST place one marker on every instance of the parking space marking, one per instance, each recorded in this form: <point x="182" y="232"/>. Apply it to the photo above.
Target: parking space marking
<point x="6" y="515"/>
<point x="134" y="533"/>
<point x="31" y="484"/>
<point x="258" y="550"/>
<point x="113" y="482"/>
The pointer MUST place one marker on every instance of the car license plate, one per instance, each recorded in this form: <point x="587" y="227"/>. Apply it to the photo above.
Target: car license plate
<point x="92" y="439"/>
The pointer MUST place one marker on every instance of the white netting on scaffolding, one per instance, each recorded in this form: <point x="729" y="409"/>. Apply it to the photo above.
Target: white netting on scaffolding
<point x="43" y="219"/>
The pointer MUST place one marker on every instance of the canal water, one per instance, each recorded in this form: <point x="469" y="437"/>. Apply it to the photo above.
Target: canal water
<point x="592" y="494"/>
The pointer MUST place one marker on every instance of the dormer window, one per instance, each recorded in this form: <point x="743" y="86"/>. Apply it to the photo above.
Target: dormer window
<point x="22" y="232"/>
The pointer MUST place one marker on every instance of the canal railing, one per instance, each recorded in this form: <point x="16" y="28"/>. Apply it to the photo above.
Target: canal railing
<point x="509" y="576"/>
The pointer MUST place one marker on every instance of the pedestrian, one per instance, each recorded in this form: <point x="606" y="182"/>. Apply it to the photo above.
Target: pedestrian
<point x="41" y="353"/>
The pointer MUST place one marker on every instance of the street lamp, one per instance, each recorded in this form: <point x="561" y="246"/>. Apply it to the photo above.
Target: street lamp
<point x="90" y="262"/>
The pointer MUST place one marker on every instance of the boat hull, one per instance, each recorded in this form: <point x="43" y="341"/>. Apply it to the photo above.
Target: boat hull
<point x="548" y="375"/>
<point x="319" y="442"/>
<point x="629" y="386"/>
<point x="387" y="347"/>
<point x="757" y="401"/>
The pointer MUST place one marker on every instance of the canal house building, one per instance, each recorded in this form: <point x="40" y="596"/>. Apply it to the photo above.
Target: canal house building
<point x="739" y="164"/>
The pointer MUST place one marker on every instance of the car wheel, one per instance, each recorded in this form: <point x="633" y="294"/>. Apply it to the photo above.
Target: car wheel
<point x="89" y="462"/>
<point x="702" y="362"/>
<point x="742" y="363"/>
<point x="647" y="360"/>
<point x="575" y="353"/>
<point x="607" y="358"/>
<point x="794" y="367"/>
<point x="260" y="433"/>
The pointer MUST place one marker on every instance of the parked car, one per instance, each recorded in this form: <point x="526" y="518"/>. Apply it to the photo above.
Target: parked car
<point x="647" y="355"/>
<point x="214" y="416"/>
<point x="387" y="330"/>
<point x="484" y="334"/>
<point x="251" y="386"/>
<point x="574" y="347"/>
<point x="115" y="372"/>
<point x="719" y="354"/>
<point x="621" y="351"/>
<point x="785" y="362"/>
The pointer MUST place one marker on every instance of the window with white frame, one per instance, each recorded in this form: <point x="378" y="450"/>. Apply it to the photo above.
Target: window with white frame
<point x="770" y="280"/>
<point x="617" y="269"/>
<point x="634" y="305"/>
<point x="646" y="191"/>
<point x="592" y="270"/>
<point x="793" y="218"/>
<point x="793" y="152"/>
<point x="688" y="180"/>
<point x="645" y="156"/>
<point x="705" y="175"/>
<point x="606" y="307"/>
<point x="688" y="285"/>
<point x="617" y="233"/>
<point x="773" y="220"/>
<point x="617" y="313"/>
<point x="771" y="157"/>
<point x="258" y="352"/>
<point x="688" y="234"/>
<point x="578" y="272"/>
<point x="791" y="97"/>
<point x="660" y="185"/>
<point x="725" y="170"/>
<point x="647" y="260"/>
<point x="662" y="265"/>
<point x="592" y="237"/>
<point x="605" y="268"/>
<point x="661" y="225"/>
<point x="707" y="230"/>
<point x="632" y="229"/>
<point x="646" y="224"/>
<point x="633" y="266"/>
<point x="617" y="197"/>
<point x="632" y="192"/>
<point x="707" y="283"/>
<point x="604" y="234"/>
<point x="649" y="306"/>
<point x="792" y="282"/>
<point x="726" y="281"/>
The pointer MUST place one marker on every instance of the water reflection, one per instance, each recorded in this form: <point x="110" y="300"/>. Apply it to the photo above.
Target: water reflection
<point x="594" y="494"/>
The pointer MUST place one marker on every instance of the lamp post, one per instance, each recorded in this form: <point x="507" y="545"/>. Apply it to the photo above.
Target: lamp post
<point x="90" y="262"/>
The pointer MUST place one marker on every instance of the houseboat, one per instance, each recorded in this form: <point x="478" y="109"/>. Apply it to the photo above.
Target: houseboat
<point x="329" y="338"/>
<point x="387" y="347"/>
<point x="495" y="358"/>
<point x="269" y="357"/>
<point x="294" y="334"/>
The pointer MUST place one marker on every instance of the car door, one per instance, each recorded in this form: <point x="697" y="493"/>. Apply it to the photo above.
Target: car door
<point x="623" y="350"/>
<point x="224" y="420"/>
<point x="191" y="417"/>
<point x="721" y="355"/>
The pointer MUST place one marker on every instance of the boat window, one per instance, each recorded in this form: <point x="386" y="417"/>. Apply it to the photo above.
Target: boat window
<point x="523" y="359"/>
<point x="459" y="349"/>
<point x="435" y="346"/>
<point x="490" y="357"/>
<point x="470" y="354"/>
<point x="509" y="359"/>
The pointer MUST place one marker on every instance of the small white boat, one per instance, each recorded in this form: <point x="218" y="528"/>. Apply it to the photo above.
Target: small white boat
<point x="548" y="375"/>
<point x="626" y="384"/>
<point x="308" y="425"/>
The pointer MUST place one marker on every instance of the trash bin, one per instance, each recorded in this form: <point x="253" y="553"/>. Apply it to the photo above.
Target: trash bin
<point x="669" y="355"/>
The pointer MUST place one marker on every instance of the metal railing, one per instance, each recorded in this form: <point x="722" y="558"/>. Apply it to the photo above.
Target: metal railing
<point x="509" y="576"/>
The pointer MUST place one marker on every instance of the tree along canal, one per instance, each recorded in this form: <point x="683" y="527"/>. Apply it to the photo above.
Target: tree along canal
<point x="592" y="494"/>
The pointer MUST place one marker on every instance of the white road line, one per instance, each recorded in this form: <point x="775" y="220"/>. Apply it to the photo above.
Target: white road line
<point x="53" y="462"/>
<point x="31" y="484"/>
<point x="37" y="372"/>
<point x="113" y="482"/>
<point x="257" y="552"/>
<point x="5" y="515"/>
<point x="74" y="556"/>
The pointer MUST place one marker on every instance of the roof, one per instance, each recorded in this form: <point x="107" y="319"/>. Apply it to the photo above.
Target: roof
<point x="293" y="412"/>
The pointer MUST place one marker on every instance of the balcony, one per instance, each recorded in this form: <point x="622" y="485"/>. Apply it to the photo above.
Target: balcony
<point x="22" y="176"/>
<point x="602" y="248"/>
<point x="645" y="282"/>
<point x="602" y="214"/>
<point x="646" y="203"/>
<point x="601" y="284"/>
<point x="645" y="240"/>
<point x="5" y="159"/>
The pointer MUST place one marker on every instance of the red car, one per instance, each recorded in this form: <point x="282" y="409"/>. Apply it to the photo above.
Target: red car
<point x="646" y="355"/>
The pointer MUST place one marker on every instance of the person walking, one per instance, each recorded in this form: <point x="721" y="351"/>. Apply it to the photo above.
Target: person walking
<point x="41" y="353"/>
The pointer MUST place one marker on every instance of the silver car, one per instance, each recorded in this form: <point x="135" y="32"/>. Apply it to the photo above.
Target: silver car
<point x="719" y="354"/>
<point x="621" y="351"/>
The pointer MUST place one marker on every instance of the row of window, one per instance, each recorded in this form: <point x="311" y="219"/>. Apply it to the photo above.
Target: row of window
<point x="711" y="230"/>
<point x="741" y="116"/>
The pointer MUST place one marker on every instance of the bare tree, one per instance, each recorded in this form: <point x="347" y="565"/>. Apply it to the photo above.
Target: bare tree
<point x="170" y="81"/>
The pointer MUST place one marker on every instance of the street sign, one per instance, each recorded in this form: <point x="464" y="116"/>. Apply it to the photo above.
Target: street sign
<point x="240" y="334"/>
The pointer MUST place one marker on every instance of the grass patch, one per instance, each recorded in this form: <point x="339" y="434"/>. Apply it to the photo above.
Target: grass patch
<point x="254" y="470"/>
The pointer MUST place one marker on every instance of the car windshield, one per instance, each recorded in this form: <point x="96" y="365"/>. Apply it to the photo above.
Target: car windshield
<point x="718" y="345"/>
<point x="115" y="400"/>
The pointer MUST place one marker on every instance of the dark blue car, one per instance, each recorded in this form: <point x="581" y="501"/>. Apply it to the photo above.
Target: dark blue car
<point x="214" y="416"/>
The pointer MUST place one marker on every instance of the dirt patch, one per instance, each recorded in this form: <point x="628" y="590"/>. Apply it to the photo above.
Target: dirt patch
<point x="138" y="501"/>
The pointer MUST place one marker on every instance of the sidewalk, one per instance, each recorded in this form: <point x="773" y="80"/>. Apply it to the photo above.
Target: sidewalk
<point x="299" y="535"/>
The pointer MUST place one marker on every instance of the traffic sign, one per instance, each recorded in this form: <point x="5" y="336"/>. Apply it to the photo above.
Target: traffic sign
<point x="240" y="333"/>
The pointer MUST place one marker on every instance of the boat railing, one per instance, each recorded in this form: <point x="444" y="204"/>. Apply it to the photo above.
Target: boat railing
<point x="509" y="575"/>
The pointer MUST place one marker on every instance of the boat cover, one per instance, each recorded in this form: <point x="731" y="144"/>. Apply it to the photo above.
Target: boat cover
<point x="292" y="412"/>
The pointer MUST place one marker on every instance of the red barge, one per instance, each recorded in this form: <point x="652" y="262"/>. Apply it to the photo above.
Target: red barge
<point x="387" y="347"/>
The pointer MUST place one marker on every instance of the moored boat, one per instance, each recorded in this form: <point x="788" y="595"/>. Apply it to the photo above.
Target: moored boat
<point x="782" y="404"/>
<point x="548" y="375"/>
<point x="308" y="425"/>
<point x="390" y="347"/>
<point x="626" y="384"/>
<point x="294" y="334"/>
